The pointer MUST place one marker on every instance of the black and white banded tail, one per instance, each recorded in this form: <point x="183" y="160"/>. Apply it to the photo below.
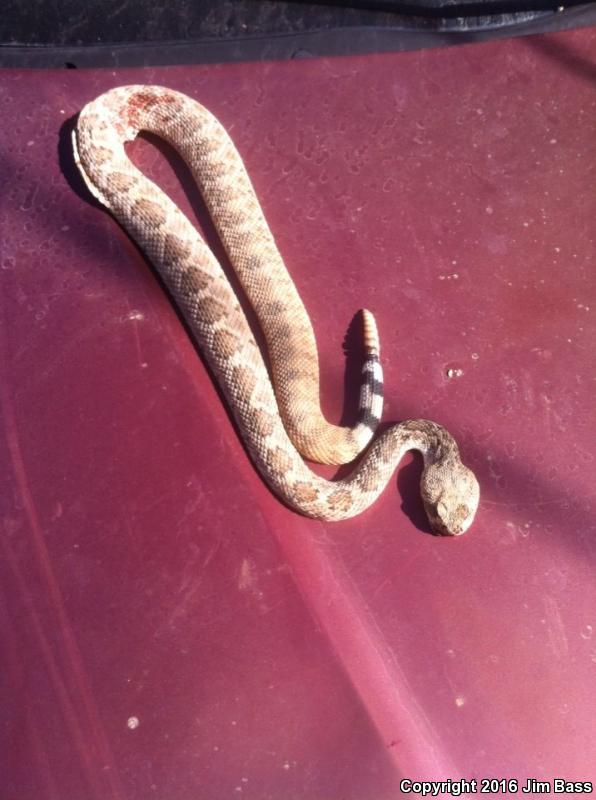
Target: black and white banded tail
<point x="370" y="406"/>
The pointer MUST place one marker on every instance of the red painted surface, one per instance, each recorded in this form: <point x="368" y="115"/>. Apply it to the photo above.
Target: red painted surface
<point x="146" y="570"/>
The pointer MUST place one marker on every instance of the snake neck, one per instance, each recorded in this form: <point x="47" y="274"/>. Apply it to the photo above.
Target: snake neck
<point x="436" y="445"/>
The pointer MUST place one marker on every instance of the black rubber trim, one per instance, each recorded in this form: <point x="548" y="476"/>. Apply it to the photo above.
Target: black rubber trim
<point x="335" y="42"/>
<point x="446" y="9"/>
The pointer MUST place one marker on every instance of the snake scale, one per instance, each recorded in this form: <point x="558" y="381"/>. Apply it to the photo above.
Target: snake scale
<point x="277" y="427"/>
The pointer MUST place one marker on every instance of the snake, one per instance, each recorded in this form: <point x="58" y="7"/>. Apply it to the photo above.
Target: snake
<point x="278" y="415"/>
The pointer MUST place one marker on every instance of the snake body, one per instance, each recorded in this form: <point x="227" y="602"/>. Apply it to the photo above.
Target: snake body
<point x="198" y="285"/>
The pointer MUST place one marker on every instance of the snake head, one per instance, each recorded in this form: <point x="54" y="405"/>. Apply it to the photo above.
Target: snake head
<point x="450" y="493"/>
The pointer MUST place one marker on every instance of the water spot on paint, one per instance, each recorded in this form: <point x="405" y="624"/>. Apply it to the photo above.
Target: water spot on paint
<point x="454" y="372"/>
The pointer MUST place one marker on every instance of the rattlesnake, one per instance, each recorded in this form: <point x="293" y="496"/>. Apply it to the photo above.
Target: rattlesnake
<point x="198" y="284"/>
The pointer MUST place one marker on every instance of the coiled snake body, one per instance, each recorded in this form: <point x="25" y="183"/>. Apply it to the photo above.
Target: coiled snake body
<point x="196" y="281"/>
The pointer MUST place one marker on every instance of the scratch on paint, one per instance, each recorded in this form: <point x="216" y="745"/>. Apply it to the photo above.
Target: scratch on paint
<point x="555" y="628"/>
<point x="95" y="752"/>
